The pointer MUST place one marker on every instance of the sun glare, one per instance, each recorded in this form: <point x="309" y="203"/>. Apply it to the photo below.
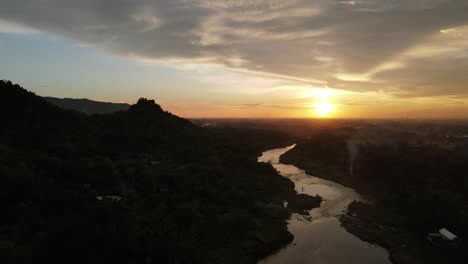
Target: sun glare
<point x="323" y="108"/>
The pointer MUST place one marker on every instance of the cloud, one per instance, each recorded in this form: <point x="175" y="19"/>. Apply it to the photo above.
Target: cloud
<point x="14" y="28"/>
<point x="362" y="45"/>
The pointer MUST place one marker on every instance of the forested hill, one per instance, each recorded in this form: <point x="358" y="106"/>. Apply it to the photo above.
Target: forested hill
<point x="135" y="186"/>
<point x="87" y="106"/>
<point x="33" y="123"/>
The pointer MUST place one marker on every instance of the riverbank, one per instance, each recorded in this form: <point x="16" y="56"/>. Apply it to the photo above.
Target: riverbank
<point x="379" y="226"/>
<point x="379" y="223"/>
<point x="286" y="203"/>
<point x="366" y="221"/>
<point x="318" y="236"/>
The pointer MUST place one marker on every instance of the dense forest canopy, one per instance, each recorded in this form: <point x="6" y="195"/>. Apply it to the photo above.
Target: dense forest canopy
<point x="135" y="186"/>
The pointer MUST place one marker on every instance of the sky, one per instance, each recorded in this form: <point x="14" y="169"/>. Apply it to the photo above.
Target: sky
<point x="245" y="58"/>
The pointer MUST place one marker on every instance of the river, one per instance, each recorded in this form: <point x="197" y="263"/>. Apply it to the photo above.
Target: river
<point x="319" y="237"/>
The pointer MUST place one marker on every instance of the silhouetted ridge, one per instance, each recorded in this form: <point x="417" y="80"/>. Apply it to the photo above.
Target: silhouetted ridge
<point x="87" y="106"/>
<point x="17" y="100"/>
<point x="31" y="122"/>
<point x="45" y="125"/>
<point x="147" y="105"/>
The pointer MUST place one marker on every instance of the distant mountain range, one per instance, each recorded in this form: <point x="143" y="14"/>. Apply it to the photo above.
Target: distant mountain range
<point x="87" y="106"/>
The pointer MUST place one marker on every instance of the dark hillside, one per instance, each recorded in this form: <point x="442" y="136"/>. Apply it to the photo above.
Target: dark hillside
<point x="135" y="186"/>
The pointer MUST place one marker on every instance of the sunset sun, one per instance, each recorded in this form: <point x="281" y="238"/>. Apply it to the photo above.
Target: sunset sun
<point x="323" y="108"/>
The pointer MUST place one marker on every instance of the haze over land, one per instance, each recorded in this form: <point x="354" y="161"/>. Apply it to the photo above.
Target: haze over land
<point x="251" y="58"/>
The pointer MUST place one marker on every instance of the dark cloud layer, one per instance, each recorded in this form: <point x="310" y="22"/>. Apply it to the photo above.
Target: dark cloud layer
<point x="356" y="45"/>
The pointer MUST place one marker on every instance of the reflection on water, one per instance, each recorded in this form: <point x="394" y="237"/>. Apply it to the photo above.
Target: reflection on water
<point x="320" y="238"/>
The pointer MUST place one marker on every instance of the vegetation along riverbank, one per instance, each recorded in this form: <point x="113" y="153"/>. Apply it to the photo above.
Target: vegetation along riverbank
<point x="416" y="188"/>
